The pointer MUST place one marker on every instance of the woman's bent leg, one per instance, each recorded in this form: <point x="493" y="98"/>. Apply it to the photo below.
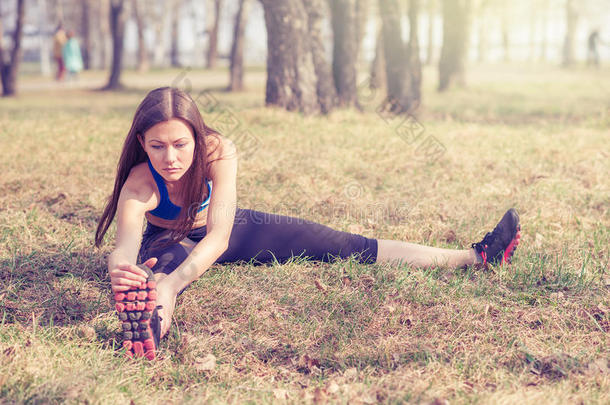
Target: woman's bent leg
<point x="393" y="251"/>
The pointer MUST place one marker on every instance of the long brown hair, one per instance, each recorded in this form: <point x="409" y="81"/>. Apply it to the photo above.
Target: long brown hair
<point x="161" y="105"/>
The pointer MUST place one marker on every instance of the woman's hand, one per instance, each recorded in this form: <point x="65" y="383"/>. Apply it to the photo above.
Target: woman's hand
<point x="166" y="298"/>
<point x="126" y="275"/>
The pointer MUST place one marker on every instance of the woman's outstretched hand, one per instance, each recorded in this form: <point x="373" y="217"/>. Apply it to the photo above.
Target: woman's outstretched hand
<point x="125" y="275"/>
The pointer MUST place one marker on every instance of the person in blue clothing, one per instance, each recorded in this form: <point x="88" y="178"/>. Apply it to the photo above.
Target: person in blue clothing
<point x="73" y="59"/>
<point x="180" y="176"/>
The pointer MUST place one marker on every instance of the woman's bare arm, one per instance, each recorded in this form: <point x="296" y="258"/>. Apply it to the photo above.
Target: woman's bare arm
<point x="221" y="214"/>
<point x="134" y="200"/>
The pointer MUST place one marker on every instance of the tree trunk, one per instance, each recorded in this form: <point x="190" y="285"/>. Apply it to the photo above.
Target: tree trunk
<point x="174" y="53"/>
<point x="9" y="69"/>
<point x="362" y="13"/>
<point x="568" y="43"/>
<point x="159" y="49"/>
<point x="105" y="32"/>
<point x="403" y="69"/>
<point x="505" y="38"/>
<point x="432" y="10"/>
<point x="236" y="70"/>
<point x="292" y="77"/>
<point x="212" y="56"/>
<point x="413" y="54"/>
<point x="455" y="33"/>
<point x="45" y="51"/>
<point x="378" y="76"/>
<point x="325" y="87"/>
<point x="117" y="29"/>
<point x="345" y="50"/>
<point x="86" y="33"/>
<point x="138" y="14"/>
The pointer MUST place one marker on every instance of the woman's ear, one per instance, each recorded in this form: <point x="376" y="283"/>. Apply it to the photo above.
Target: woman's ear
<point x="141" y="140"/>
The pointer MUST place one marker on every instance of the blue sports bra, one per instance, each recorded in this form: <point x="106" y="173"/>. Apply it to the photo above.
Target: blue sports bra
<point x="166" y="209"/>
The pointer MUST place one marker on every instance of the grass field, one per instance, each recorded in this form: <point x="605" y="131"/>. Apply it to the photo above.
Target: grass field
<point x="535" y="332"/>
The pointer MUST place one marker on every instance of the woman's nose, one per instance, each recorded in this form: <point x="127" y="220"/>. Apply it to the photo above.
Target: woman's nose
<point x="170" y="154"/>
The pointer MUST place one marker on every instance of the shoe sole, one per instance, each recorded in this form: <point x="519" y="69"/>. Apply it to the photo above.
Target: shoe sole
<point x="512" y="246"/>
<point x="135" y="311"/>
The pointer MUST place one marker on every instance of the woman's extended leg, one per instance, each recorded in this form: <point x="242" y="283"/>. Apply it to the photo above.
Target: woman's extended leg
<point x="496" y="247"/>
<point x="393" y="251"/>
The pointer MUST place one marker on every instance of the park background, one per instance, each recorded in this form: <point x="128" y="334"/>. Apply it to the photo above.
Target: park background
<point x="369" y="145"/>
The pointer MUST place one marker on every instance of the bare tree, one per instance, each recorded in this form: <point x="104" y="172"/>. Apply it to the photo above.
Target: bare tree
<point x="296" y="78"/>
<point x="9" y="68"/>
<point x="378" y="76"/>
<point x="159" y="10"/>
<point x="455" y="39"/>
<point x="325" y="87"/>
<point x="212" y="55"/>
<point x="86" y="32"/>
<point x="569" y="40"/>
<point x="117" y="29"/>
<point x="403" y="68"/>
<point x="345" y="49"/>
<point x="174" y="47"/>
<point x="236" y="70"/>
<point x="139" y="15"/>
<point x="432" y="10"/>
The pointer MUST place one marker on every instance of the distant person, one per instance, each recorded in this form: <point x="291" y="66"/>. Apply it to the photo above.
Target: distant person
<point x="72" y="56"/>
<point x="59" y="40"/>
<point x="593" y="42"/>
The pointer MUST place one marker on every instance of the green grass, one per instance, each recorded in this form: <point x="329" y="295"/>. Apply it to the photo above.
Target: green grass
<point x="534" y="332"/>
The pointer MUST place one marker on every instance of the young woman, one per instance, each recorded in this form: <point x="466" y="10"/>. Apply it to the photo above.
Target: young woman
<point x="180" y="175"/>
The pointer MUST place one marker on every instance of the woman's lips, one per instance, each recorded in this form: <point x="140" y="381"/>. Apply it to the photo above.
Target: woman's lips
<point x="171" y="170"/>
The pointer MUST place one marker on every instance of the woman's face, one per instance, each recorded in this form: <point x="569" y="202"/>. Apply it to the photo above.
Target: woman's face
<point x="170" y="146"/>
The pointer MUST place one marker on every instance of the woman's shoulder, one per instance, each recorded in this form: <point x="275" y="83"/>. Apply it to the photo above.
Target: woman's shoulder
<point x="140" y="182"/>
<point x="220" y="147"/>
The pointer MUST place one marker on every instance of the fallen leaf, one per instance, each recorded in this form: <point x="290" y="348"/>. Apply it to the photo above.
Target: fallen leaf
<point x="346" y="281"/>
<point x="319" y="396"/>
<point x="320" y="286"/>
<point x="87" y="332"/>
<point x="280" y="393"/>
<point x="332" y="387"/>
<point x="556" y="296"/>
<point x="215" y="328"/>
<point x="207" y="363"/>
<point x="351" y="373"/>
<point x="599" y="366"/>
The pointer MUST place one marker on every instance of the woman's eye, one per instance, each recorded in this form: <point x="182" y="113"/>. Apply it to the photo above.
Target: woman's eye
<point x="180" y="145"/>
<point x="157" y="146"/>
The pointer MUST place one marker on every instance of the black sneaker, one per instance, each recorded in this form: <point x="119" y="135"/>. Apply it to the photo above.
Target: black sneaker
<point x="140" y="322"/>
<point x="498" y="246"/>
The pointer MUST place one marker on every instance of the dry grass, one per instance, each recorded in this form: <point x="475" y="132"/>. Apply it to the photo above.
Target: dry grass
<point x="536" y="332"/>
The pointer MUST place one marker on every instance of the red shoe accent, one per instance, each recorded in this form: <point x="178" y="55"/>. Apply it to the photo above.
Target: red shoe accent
<point x="127" y="344"/>
<point x="138" y="349"/>
<point x="149" y="344"/>
<point x="119" y="297"/>
<point x="119" y="307"/>
<point x="150" y="306"/>
<point x="131" y="306"/>
<point x="150" y="355"/>
<point x="140" y="306"/>
<point x="508" y="252"/>
<point x="129" y="354"/>
<point x="131" y="296"/>
<point x="142" y="295"/>
<point x="152" y="295"/>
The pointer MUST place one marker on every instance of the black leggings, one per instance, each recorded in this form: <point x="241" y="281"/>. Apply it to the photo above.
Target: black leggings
<point x="260" y="238"/>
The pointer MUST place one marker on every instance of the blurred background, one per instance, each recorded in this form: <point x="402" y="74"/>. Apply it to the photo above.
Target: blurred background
<point x="450" y="35"/>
